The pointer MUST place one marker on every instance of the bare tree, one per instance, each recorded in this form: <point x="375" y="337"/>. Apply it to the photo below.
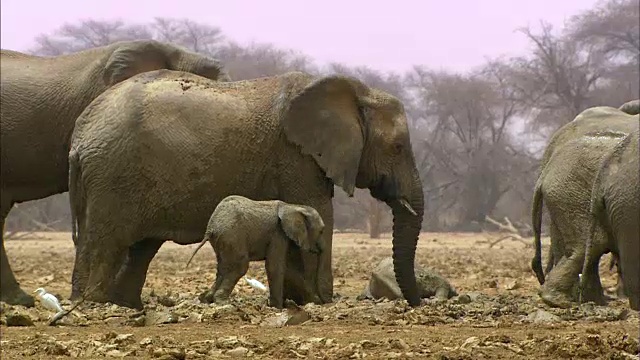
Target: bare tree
<point x="469" y="147"/>
<point x="87" y="34"/>
<point x="557" y="80"/>
<point x="201" y="38"/>
<point x="260" y="60"/>
<point x="612" y="26"/>
<point x="613" y="30"/>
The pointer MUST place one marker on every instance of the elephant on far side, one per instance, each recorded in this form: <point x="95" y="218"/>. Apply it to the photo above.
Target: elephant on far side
<point x="615" y="207"/>
<point x="41" y="99"/>
<point x="241" y="230"/>
<point x="568" y="167"/>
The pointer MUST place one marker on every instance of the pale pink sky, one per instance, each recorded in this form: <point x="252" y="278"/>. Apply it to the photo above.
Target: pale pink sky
<point x="387" y="35"/>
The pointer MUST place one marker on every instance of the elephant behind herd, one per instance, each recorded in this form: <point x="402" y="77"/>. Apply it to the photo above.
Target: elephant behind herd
<point x="148" y="138"/>
<point x="41" y="100"/>
<point x="574" y="156"/>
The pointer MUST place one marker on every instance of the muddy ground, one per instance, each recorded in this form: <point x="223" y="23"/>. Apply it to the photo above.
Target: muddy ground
<point x="501" y="317"/>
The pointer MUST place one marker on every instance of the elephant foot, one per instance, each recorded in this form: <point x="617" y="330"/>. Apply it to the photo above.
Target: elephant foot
<point x="133" y="302"/>
<point x="555" y="299"/>
<point x="76" y="293"/>
<point x="634" y="302"/>
<point x="206" y="297"/>
<point x="17" y="297"/>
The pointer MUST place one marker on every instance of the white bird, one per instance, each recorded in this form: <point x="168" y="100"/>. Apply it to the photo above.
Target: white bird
<point x="255" y="283"/>
<point x="49" y="301"/>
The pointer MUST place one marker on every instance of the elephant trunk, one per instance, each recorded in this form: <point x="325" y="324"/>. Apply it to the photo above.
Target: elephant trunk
<point x="406" y="229"/>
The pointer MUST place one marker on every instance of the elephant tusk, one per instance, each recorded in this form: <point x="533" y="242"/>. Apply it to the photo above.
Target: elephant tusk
<point x="406" y="205"/>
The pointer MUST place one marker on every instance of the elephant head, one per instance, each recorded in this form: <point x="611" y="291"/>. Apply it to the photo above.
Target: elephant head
<point x="631" y="107"/>
<point x="133" y="57"/>
<point x="303" y="225"/>
<point x="359" y="136"/>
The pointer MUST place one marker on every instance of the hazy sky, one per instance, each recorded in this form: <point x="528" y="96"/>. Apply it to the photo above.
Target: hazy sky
<point x="387" y="35"/>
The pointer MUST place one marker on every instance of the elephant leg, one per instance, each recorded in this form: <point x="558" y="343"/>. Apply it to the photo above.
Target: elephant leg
<point x="556" y="248"/>
<point x="619" y="283"/>
<point x="10" y="291"/>
<point x="230" y="270"/>
<point x="207" y="296"/>
<point x="275" y="267"/>
<point x="561" y="285"/>
<point x="592" y="286"/>
<point x="294" y="287"/>
<point x="133" y="273"/>
<point x="80" y="273"/>
<point x="324" y="271"/>
<point x="105" y="262"/>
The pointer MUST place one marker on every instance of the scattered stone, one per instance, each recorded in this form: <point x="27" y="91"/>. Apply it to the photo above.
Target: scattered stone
<point x="240" y="351"/>
<point x="18" y="319"/>
<point x="470" y="343"/>
<point x="462" y="299"/>
<point x="542" y="316"/>
<point x="159" y="317"/>
<point x="167" y="301"/>
<point x="511" y="284"/>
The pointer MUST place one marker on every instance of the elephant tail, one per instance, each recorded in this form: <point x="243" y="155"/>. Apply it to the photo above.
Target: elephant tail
<point x="76" y="198"/>
<point x="536" y="219"/>
<point x="207" y="237"/>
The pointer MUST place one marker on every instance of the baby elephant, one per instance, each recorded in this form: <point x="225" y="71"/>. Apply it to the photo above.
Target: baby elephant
<point x="242" y="230"/>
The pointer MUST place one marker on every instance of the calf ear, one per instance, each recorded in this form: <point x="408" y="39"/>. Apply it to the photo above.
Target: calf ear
<point x="326" y="121"/>
<point x="293" y="223"/>
<point x="134" y="58"/>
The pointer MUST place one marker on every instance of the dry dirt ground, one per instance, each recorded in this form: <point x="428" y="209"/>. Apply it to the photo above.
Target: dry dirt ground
<point x="500" y="318"/>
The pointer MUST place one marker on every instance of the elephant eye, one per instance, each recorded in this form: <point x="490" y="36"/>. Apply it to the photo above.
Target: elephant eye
<point x="397" y="148"/>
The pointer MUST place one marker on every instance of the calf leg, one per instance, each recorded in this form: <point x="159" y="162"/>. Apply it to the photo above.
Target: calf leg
<point x="230" y="270"/>
<point x="275" y="265"/>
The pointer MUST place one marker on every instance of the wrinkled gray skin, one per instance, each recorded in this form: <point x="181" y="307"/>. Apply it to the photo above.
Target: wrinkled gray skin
<point x="241" y="230"/>
<point x="41" y="99"/>
<point x="383" y="283"/>
<point x="568" y="169"/>
<point x="176" y="144"/>
<point x="615" y="208"/>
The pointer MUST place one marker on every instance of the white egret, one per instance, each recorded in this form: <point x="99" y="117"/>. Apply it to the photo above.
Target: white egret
<point x="49" y="301"/>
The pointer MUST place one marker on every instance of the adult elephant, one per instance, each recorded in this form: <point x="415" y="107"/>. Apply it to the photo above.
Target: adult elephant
<point x="568" y="169"/>
<point x="41" y="99"/>
<point x="615" y="208"/>
<point x="176" y="144"/>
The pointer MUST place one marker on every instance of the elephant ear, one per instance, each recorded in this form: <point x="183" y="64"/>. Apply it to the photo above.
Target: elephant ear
<point x="293" y="223"/>
<point x="134" y="58"/>
<point x="326" y="121"/>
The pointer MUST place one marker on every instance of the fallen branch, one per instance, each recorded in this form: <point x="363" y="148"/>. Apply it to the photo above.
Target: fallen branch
<point x="57" y="317"/>
<point x="508" y="227"/>
<point x="512" y="237"/>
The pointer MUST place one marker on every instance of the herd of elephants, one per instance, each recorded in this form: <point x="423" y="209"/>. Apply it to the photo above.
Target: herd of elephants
<point x="149" y="138"/>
